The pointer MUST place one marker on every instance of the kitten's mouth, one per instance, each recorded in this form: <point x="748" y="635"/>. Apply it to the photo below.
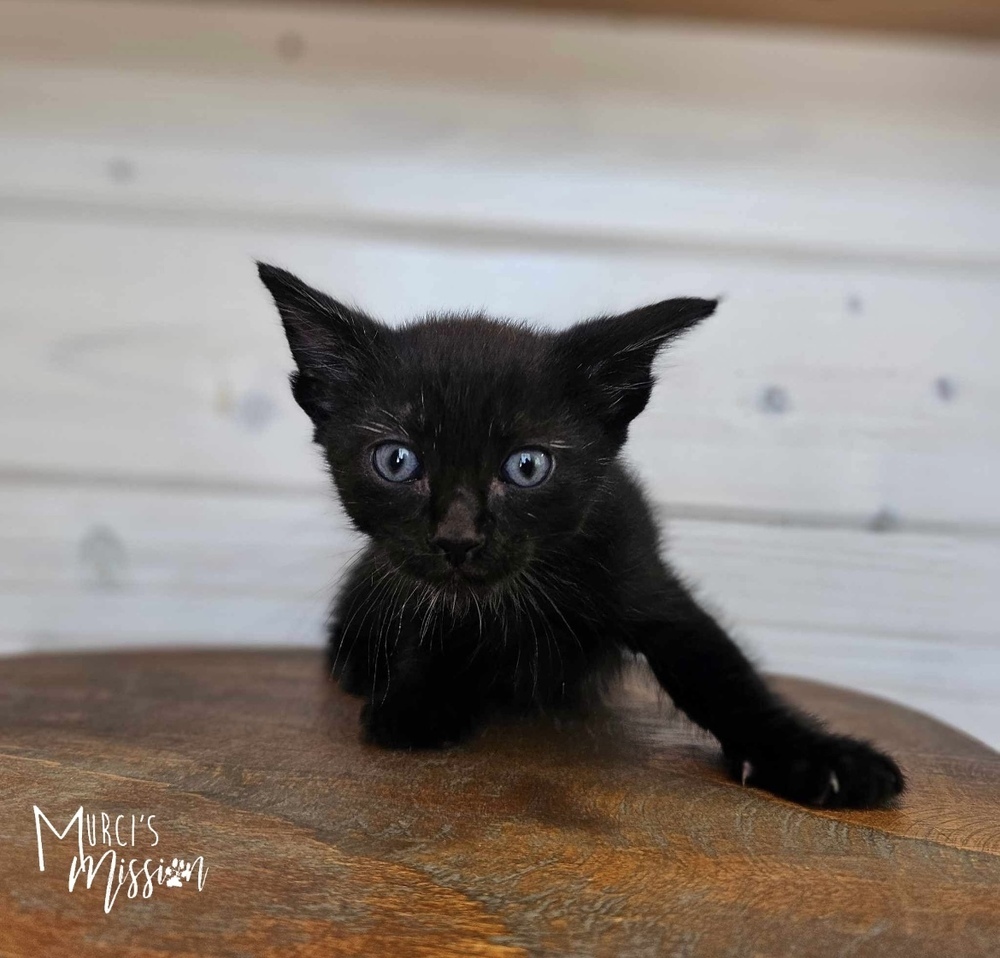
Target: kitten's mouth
<point x="466" y="578"/>
<point x="466" y="581"/>
<point x="469" y="578"/>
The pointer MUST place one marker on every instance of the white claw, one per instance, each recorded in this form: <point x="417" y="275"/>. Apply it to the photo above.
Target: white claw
<point x="834" y="783"/>
<point x="747" y="772"/>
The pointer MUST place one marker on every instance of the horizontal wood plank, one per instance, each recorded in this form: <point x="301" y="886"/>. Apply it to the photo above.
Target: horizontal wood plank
<point x="910" y="616"/>
<point x="151" y="352"/>
<point x="172" y="543"/>
<point x="409" y="120"/>
<point x="969" y="19"/>
<point x="473" y="50"/>
<point x="791" y="207"/>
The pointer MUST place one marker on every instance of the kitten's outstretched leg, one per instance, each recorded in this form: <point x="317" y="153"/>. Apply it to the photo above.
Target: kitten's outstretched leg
<point x="766" y="743"/>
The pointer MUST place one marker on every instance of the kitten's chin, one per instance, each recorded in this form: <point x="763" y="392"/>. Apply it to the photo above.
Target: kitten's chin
<point x="456" y="583"/>
<point x="467" y="580"/>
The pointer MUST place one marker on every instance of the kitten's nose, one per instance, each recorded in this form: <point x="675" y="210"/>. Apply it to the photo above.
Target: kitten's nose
<point x="456" y="534"/>
<point x="457" y="550"/>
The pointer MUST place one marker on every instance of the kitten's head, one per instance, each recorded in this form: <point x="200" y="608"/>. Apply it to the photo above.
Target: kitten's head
<point x="468" y="448"/>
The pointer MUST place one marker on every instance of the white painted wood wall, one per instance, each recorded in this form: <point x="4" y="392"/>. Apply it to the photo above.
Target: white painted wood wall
<point x="825" y="450"/>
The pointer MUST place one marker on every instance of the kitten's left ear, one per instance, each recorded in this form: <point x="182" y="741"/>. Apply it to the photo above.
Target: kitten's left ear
<point x="333" y="345"/>
<point x="609" y="360"/>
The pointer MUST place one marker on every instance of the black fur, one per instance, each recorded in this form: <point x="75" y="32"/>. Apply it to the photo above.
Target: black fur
<point x="475" y="595"/>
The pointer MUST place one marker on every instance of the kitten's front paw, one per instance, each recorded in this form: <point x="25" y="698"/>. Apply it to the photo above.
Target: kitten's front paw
<point x="830" y="771"/>
<point x="414" y="724"/>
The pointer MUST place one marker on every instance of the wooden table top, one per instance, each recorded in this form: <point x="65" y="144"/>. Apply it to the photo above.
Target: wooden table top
<point x="613" y="836"/>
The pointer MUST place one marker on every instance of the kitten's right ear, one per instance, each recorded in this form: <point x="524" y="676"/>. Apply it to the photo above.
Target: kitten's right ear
<point x="609" y="359"/>
<point x="332" y="344"/>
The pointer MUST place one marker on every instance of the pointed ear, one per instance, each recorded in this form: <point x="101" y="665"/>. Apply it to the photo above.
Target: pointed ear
<point x="609" y="360"/>
<point x="332" y="344"/>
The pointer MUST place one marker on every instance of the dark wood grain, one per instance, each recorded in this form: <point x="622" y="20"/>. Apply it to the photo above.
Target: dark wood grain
<point x="977" y="20"/>
<point x="970" y="19"/>
<point x="613" y="836"/>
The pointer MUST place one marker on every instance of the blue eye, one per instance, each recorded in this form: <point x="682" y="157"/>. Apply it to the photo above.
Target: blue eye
<point x="527" y="468"/>
<point x="396" y="463"/>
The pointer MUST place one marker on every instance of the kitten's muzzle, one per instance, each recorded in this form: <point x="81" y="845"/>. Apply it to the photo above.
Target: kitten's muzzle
<point x="457" y="535"/>
<point x="458" y="549"/>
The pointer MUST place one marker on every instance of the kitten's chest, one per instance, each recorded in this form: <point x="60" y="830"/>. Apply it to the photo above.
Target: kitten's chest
<point x="535" y="656"/>
<point x="524" y="647"/>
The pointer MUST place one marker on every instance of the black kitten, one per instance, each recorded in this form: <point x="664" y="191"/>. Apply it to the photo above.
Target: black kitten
<point x="512" y="558"/>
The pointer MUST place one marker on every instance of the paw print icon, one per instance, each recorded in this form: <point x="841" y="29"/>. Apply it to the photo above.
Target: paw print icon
<point x="178" y="869"/>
